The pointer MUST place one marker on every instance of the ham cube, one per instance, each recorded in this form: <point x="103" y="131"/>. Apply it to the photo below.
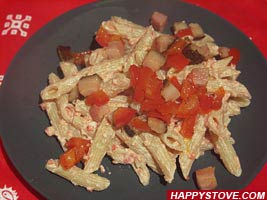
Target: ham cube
<point x="163" y="42"/>
<point x="98" y="112"/>
<point x="196" y="29"/>
<point x="158" y="21"/>
<point x="154" y="60"/>
<point x="223" y="52"/>
<point x="170" y="92"/>
<point x="200" y="76"/>
<point x="206" y="179"/>
<point x="89" y="84"/>
<point x="157" y="125"/>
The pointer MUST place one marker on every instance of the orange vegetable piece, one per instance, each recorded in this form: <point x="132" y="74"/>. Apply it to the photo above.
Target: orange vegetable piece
<point x="184" y="32"/>
<point x="176" y="60"/>
<point x="188" y="87"/>
<point x="176" y="47"/>
<point x="139" y="124"/>
<point x="122" y="116"/>
<point x="173" y="80"/>
<point x="134" y="72"/>
<point x="187" y="129"/>
<point x="98" y="98"/>
<point x="166" y="117"/>
<point x="168" y="108"/>
<point x="81" y="146"/>
<point x="236" y="55"/>
<point x="209" y="102"/>
<point x="188" y="107"/>
<point x="68" y="159"/>
<point x="103" y="37"/>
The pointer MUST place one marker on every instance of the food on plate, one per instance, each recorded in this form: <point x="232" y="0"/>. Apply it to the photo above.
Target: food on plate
<point x="206" y="179"/>
<point x="146" y="99"/>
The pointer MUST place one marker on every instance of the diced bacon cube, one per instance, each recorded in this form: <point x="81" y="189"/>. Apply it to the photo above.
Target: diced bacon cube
<point x="89" y="84"/>
<point x="206" y="179"/>
<point x="163" y="42"/>
<point x="158" y="21"/>
<point x="170" y="92"/>
<point x="98" y="112"/>
<point x="154" y="60"/>
<point x="224" y="52"/>
<point x="157" y="125"/>
<point x="200" y="76"/>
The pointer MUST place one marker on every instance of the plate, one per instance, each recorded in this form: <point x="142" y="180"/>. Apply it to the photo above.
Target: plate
<point x="22" y="123"/>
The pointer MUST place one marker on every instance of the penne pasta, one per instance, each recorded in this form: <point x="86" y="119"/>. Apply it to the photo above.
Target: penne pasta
<point x="181" y="75"/>
<point x="59" y="125"/>
<point x="187" y="157"/>
<point x="172" y="138"/>
<point x="114" y="86"/>
<point x="159" y="152"/>
<point x="235" y="88"/>
<point x="129" y="31"/>
<point x="223" y="146"/>
<point x="68" y="68"/>
<point x="100" y="144"/>
<point x="122" y="155"/>
<point x="136" y="144"/>
<point x="104" y="69"/>
<point x="137" y="104"/>
<point x="53" y="78"/>
<point x="78" y="176"/>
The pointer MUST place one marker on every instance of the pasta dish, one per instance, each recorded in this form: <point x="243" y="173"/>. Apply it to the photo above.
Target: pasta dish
<point x="144" y="98"/>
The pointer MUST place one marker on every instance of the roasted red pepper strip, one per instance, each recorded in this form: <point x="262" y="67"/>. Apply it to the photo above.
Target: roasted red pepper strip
<point x="103" y="37"/>
<point x="139" y="124"/>
<point x="166" y="118"/>
<point x="236" y="55"/>
<point x="176" y="60"/>
<point x="82" y="146"/>
<point x="97" y="98"/>
<point x="187" y="129"/>
<point x="209" y="102"/>
<point x="122" y="116"/>
<point x="68" y="159"/>
<point x="77" y="148"/>
<point x="168" y="108"/>
<point x="177" y="46"/>
<point x="173" y="80"/>
<point x="134" y="72"/>
<point x="188" y="107"/>
<point x="184" y="32"/>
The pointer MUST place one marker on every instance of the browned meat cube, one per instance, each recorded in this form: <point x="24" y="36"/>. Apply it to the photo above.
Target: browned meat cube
<point x="163" y="42"/>
<point x="158" y="21"/>
<point x="206" y="179"/>
<point x="154" y="60"/>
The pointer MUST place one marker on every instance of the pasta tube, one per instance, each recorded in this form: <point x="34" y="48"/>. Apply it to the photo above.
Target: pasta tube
<point x="78" y="176"/>
<point x="136" y="144"/>
<point x="193" y="149"/>
<point x="172" y="138"/>
<point x="100" y="144"/>
<point x="121" y="155"/>
<point x="224" y="147"/>
<point x="166" y="162"/>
